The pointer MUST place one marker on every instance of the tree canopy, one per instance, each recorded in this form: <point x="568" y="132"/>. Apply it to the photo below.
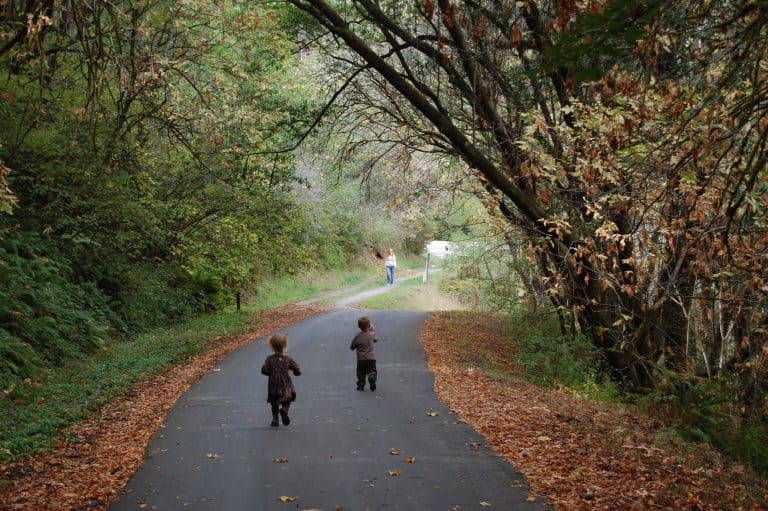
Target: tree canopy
<point x="624" y="141"/>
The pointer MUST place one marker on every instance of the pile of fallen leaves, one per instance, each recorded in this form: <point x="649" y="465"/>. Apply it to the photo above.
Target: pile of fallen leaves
<point x="575" y="453"/>
<point x="91" y="465"/>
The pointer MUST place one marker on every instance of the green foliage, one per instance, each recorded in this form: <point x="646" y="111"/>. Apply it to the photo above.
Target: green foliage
<point x="550" y="358"/>
<point x="45" y="314"/>
<point x="701" y="410"/>
<point x="465" y="289"/>
<point x="150" y="296"/>
<point x="484" y="278"/>
<point x="275" y="291"/>
<point x="750" y="444"/>
<point x="18" y="358"/>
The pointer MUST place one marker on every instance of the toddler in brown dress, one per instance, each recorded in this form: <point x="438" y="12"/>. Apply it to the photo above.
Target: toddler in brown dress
<point x="280" y="391"/>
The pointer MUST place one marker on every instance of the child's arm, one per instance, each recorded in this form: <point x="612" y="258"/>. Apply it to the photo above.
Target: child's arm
<point x="293" y="366"/>
<point x="265" y="369"/>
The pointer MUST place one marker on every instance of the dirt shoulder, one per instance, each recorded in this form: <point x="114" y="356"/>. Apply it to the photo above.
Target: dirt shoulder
<point x="99" y="455"/>
<point x="575" y="453"/>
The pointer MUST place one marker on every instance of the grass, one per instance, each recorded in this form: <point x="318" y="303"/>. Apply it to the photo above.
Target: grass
<point x="276" y="292"/>
<point x="414" y="295"/>
<point x="396" y="299"/>
<point x="413" y="263"/>
<point x="33" y="413"/>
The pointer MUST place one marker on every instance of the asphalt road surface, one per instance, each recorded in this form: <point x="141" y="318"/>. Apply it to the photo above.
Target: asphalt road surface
<point x="217" y="450"/>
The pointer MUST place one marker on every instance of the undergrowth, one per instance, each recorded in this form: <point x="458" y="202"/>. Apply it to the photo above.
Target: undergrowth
<point x="549" y="358"/>
<point x="696" y="410"/>
<point x="701" y="411"/>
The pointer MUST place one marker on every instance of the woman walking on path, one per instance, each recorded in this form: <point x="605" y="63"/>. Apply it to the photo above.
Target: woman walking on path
<point x="280" y="391"/>
<point x="391" y="264"/>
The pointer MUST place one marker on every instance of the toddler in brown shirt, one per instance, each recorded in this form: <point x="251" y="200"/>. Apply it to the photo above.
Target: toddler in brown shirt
<point x="366" y="360"/>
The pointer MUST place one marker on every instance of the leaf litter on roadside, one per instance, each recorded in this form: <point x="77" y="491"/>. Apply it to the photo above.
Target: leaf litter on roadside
<point x="563" y="444"/>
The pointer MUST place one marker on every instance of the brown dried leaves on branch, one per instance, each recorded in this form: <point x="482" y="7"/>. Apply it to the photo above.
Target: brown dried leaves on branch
<point x="90" y="467"/>
<point x="577" y="454"/>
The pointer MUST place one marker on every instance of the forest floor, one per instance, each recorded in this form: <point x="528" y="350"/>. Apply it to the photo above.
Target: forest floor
<point x="576" y="454"/>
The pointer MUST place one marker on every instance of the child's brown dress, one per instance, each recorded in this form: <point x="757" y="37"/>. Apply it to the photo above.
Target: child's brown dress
<point x="280" y="386"/>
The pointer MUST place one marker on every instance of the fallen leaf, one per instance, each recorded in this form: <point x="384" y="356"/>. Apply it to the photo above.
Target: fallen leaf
<point x="394" y="473"/>
<point x="485" y="503"/>
<point x="433" y="414"/>
<point x="531" y="498"/>
<point x="394" y="452"/>
<point x="288" y="498"/>
<point x="212" y="455"/>
<point x="338" y="508"/>
<point x="410" y="459"/>
<point x="281" y="460"/>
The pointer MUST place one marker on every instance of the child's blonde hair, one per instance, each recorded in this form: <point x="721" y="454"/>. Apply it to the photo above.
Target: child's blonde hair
<point x="278" y="343"/>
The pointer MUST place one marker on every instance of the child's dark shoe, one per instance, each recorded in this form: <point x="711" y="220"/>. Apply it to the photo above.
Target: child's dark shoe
<point x="372" y="380"/>
<point x="284" y="416"/>
<point x="361" y="387"/>
<point x="274" y="424"/>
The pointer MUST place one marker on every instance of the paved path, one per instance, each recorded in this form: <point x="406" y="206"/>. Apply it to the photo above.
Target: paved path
<point x="217" y="450"/>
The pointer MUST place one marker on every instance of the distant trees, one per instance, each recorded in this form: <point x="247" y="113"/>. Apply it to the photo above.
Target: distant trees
<point x="625" y="139"/>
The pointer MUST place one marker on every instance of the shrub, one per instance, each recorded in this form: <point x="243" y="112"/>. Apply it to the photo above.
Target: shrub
<point x="45" y="316"/>
<point x="17" y="359"/>
<point x="550" y="358"/>
<point x="701" y="410"/>
<point x="150" y="296"/>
